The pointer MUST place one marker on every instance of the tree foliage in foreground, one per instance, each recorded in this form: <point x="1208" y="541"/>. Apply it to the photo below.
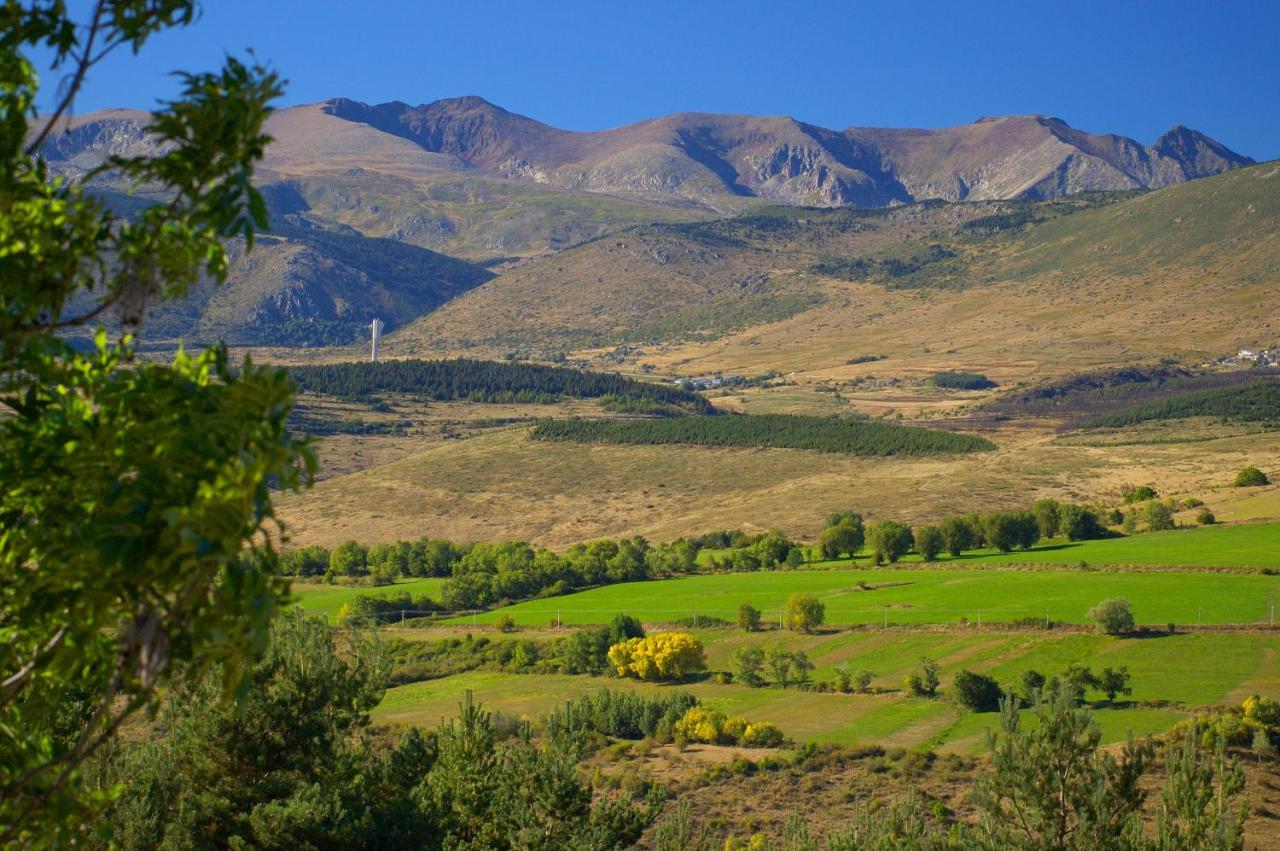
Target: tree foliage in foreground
<point x="783" y="431"/>
<point x="136" y="506"/>
<point x="293" y="766"/>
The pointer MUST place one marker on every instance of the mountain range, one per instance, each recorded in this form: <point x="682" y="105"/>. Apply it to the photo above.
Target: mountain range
<point x="700" y="156"/>
<point x="393" y="211"/>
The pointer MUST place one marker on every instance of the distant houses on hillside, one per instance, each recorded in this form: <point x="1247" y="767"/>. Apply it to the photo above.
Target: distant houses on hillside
<point x="708" y="382"/>
<point x="1250" y="357"/>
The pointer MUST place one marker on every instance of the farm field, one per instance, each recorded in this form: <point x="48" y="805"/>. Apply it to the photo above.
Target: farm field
<point x="321" y="599"/>
<point x="920" y="595"/>
<point x="1243" y="545"/>
<point x="1228" y="667"/>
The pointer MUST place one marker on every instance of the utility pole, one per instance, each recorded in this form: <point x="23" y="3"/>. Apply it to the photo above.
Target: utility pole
<point x="375" y="328"/>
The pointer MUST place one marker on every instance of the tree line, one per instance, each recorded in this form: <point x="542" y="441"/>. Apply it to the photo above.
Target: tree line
<point x="846" y="534"/>
<point x="487" y="381"/>
<point x="785" y="431"/>
<point x="483" y="574"/>
<point x="1255" y="401"/>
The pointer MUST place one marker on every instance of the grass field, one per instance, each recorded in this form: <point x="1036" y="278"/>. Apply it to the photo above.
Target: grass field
<point x="1171" y="676"/>
<point x="319" y="599"/>
<point x="918" y="596"/>
<point x="499" y="484"/>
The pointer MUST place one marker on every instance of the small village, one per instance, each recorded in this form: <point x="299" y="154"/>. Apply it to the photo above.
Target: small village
<point x="1249" y="357"/>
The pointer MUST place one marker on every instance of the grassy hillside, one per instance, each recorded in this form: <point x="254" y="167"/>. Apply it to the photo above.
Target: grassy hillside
<point x="1229" y="668"/>
<point x="498" y="483"/>
<point x="670" y="282"/>
<point x="1187" y="272"/>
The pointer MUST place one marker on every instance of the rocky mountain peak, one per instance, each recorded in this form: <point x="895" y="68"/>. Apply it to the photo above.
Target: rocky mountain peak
<point x="1199" y="155"/>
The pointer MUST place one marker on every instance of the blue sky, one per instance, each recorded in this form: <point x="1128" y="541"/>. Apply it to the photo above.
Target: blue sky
<point x="1135" y="68"/>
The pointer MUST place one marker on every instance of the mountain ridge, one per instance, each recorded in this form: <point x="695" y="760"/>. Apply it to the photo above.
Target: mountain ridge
<point x="785" y="160"/>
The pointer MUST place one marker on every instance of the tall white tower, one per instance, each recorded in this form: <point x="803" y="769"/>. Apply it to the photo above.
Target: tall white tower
<point x="375" y="327"/>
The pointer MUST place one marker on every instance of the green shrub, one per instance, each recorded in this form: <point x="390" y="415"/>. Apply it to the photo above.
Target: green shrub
<point x="928" y="542"/>
<point x="978" y="692"/>
<point x="961" y="381"/>
<point x="762" y="734"/>
<point x="804" y="613"/>
<point x="1142" y="493"/>
<point x="1032" y="682"/>
<point x="748" y="663"/>
<point x="924" y="681"/>
<point x="1159" y="517"/>
<point x="889" y="541"/>
<point x="1251" y="477"/>
<point x="627" y="715"/>
<point x="958" y="535"/>
<point x="1112" y="616"/>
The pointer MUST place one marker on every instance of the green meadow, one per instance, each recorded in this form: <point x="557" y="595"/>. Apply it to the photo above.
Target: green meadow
<point x="1172" y="676"/>
<point x="920" y="596"/>
<point x="323" y="599"/>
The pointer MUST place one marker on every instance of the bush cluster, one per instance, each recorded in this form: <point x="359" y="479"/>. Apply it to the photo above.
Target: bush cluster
<point x="961" y="381"/>
<point x="701" y="724"/>
<point x="626" y="715"/>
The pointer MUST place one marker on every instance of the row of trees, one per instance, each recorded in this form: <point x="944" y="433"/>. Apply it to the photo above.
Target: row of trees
<point x="486" y="381"/>
<point x="846" y="534"/>
<point x="485" y="573"/>
<point x="982" y="693"/>
<point x="482" y="574"/>
<point x="785" y="431"/>
<point x="784" y="667"/>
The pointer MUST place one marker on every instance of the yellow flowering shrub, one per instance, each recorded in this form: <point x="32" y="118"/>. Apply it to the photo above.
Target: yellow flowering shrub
<point x="663" y="656"/>
<point x="700" y="724"/>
